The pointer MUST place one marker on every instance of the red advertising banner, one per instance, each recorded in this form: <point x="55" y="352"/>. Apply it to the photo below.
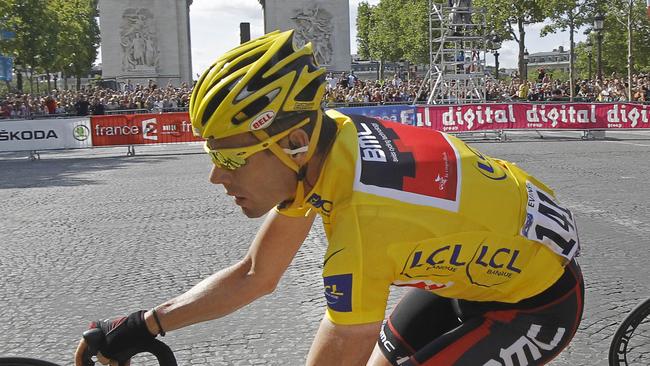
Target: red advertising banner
<point x="574" y="116"/>
<point x="138" y="129"/>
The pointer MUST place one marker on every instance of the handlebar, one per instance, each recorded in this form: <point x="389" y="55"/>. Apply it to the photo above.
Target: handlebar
<point x="95" y="338"/>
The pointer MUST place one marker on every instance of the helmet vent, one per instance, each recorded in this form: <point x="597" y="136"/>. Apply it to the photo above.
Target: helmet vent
<point x="245" y="62"/>
<point x="251" y="110"/>
<point x="308" y="93"/>
<point x="216" y="100"/>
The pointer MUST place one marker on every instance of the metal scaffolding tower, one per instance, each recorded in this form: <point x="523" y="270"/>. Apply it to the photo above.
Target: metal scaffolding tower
<point x="458" y="46"/>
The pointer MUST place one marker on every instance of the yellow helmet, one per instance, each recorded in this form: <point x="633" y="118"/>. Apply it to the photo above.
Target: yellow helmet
<point x="246" y="88"/>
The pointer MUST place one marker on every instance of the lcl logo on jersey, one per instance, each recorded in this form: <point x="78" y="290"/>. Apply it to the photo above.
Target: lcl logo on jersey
<point x="338" y="292"/>
<point x="494" y="262"/>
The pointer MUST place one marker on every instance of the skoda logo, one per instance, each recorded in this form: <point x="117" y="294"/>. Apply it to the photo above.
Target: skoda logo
<point x="81" y="133"/>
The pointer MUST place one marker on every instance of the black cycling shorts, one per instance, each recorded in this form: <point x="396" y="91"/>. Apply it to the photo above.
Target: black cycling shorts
<point x="426" y="329"/>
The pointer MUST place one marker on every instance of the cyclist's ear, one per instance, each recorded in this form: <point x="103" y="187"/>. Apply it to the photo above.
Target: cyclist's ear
<point x="298" y="140"/>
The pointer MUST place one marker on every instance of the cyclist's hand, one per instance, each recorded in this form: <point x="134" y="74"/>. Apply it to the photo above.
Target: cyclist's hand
<point x="119" y="340"/>
<point x="80" y="359"/>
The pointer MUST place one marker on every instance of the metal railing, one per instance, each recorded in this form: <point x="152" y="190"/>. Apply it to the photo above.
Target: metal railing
<point x="365" y="104"/>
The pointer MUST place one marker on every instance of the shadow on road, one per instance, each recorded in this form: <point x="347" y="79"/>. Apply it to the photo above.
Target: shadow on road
<point x="67" y="171"/>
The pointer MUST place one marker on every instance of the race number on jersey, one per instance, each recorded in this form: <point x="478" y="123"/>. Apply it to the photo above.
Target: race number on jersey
<point x="550" y="224"/>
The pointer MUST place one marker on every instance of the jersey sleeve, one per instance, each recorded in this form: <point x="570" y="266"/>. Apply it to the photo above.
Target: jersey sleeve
<point x="356" y="276"/>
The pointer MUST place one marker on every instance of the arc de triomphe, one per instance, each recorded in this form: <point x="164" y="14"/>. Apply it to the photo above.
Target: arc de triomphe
<point x="325" y="23"/>
<point x="146" y="39"/>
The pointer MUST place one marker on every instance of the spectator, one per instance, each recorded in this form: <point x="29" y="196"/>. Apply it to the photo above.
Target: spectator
<point x="81" y="107"/>
<point x="331" y="81"/>
<point x="344" y="81"/>
<point x="557" y="95"/>
<point x="523" y="90"/>
<point x="396" y="82"/>
<point x="97" y="107"/>
<point x="5" y="110"/>
<point x="352" y="79"/>
<point x="51" y="104"/>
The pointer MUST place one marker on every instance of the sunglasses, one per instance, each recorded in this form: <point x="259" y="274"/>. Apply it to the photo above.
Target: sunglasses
<point x="235" y="158"/>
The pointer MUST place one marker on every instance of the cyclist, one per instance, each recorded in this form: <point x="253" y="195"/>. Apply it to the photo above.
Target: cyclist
<point x="488" y="249"/>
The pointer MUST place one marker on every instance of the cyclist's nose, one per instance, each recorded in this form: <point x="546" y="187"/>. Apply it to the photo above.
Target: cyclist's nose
<point x="219" y="176"/>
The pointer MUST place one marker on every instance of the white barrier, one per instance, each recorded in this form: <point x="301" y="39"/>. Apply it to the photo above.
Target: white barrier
<point x="45" y="134"/>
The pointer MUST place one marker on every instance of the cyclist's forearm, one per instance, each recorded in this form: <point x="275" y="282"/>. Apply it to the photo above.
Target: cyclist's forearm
<point x="214" y="297"/>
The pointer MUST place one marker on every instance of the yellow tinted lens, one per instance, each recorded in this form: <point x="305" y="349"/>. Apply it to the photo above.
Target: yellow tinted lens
<point x="224" y="161"/>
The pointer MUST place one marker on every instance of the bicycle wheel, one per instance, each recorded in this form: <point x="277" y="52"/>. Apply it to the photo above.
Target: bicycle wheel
<point x="22" y="361"/>
<point x="631" y="342"/>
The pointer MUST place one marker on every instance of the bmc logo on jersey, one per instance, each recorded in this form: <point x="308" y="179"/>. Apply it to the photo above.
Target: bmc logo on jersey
<point x="324" y="206"/>
<point x="338" y="292"/>
<point x="407" y="163"/>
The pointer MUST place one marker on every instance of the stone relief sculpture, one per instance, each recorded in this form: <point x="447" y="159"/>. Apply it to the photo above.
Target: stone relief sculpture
<point x="139" y="40"/>
<point x="315" y="25"/>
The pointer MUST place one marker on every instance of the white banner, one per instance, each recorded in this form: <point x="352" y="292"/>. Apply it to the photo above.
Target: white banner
<point x="45" y="134"/>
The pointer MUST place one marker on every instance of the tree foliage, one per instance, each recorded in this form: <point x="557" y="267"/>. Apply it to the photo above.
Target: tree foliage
<point x="414" y="25"/>
<point x="394" y="30"/>
<point x="398" y="29"/>
<point x="364" y="24"/>
<point x="568" y="15"/>
<point x="508" y="18"/>
<point x="51" y="35"/>
<point x="615" y="42"/>
<point x="385" y="33"/>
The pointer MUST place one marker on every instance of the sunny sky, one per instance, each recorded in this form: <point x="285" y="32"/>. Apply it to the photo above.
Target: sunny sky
<point x="215" y="30"/>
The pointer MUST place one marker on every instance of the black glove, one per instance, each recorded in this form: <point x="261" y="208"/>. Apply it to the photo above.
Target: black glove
<point x="122" y="337"/>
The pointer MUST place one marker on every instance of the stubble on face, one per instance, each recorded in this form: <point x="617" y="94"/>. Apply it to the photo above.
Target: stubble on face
<point x="266" y="182"/>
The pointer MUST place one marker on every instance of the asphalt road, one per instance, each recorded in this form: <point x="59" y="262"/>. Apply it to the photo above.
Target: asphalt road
<point x="92" y="233"/>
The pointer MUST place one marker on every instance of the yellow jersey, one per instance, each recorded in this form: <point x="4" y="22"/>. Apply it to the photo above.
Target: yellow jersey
<point x="407" y="206"/>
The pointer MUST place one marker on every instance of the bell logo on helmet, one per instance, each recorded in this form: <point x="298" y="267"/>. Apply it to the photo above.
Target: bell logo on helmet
<point x="262" y="121"/>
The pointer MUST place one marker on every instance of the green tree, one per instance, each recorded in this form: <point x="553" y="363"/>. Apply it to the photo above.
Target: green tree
<point x="568" y="15"/>
<point x="51" y="35"/>
<point x="394" y="30"/>
<point x="629" y="16"/>
<point x="27" y="18"/>
<point x="81" y="43"/>
<point x="364" y="24"/>
<point x="385" y="33"/>
<point x="509" y="17"/>
<point x="414" y="28"/>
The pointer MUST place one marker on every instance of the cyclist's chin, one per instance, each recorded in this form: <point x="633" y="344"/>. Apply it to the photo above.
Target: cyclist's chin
<point x="252" y="214"/>
<point x="253" y="211"/>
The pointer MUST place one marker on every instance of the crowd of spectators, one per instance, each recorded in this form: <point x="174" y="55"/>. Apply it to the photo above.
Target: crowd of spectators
<point x="97" y="101"/>
<point x="341" y="89"/>
<point x="544" y="88"/>
<point x="348" y="89"/>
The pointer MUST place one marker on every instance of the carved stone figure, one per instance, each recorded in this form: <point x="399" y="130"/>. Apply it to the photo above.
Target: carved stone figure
<point x="315" y="25"/>
<point x="139" y="40"/>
